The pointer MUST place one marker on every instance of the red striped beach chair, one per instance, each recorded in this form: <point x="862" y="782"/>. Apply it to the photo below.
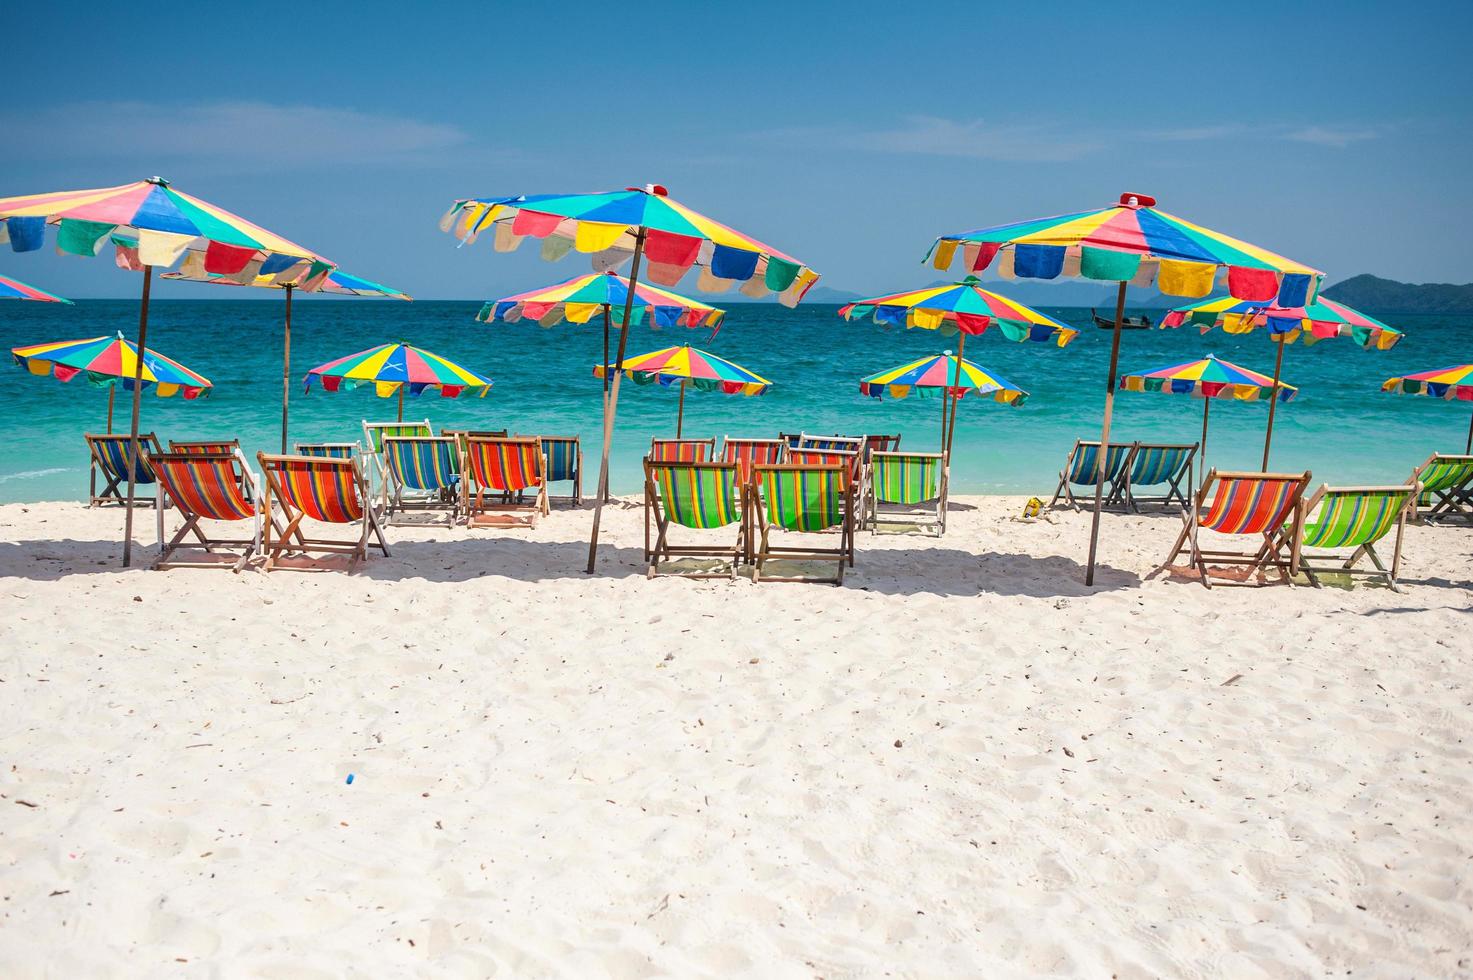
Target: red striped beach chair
<point x="805" y="499"/>
<point x="208" y="486"/>
<point x="702" y="496"/>
<point x="211" y="446"/>
<point x="502" y="469"/>
<point x="880" y="444"/>
<point x="746" y="452"/>
<point x="318" y="488"/>
<point x="110" y="455"/>
<point x="682" y="450"/>
<point x="1255" y="505"/>
<point x="1337" y="519"/>
<point x="423" y="477"/>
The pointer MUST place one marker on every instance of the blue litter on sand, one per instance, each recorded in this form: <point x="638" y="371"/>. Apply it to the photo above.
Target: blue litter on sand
<point x="350" y="779"/>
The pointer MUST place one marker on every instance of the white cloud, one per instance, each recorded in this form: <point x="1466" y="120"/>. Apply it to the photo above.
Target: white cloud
<point x="258" y="133"/>
<point x="935" y="136"/>
<point x="1336" y="136"/>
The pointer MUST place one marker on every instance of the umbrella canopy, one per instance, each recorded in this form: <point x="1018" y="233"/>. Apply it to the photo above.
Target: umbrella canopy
<point x="579" y="299"/>
<point x="942" y="373"/>
<point x="962" y="306"/>
<point x="15" y="289"/>
<point x="390" y="368"/>
<point x="673" y="238"/>
<point x="337" y="281"/>
<point x="104" y="361"/>
<point x="1209" y="378"/>
<point x="1453" y="384"/>
<point x="1311" y="323"/>
<point x="682" y="365"/>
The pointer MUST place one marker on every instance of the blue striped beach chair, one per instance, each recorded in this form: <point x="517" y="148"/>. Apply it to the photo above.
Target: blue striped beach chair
<point x="1337" y="519"/>
<point x="110" y="455"/>
<point x="565" y="464"/>
<point x="422" y="473"/>
<point x="906" y="489"/>
<point x="1447" y="488"/>
<point x="373" y="447"/>
<point x="328" y="450"/>
<point x="1150" y="464"/>
<point x="1081" y="469"/>
<point x="704" y="496"/>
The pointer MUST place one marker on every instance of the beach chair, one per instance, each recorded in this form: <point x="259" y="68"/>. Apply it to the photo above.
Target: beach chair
<point x="746" y="452"/>
<point x="461" y="435"/>
<point x="906" y="489"/>
<point x="319" y="488"/>
<point x="1255" y="505"/>
<point x="207" y="486"/>
<point x="791" y="438"/>
<point x="502" y="469"/>
<point x="850" y="459"/>
<point x="703" y="496"/>
<point x="1151" y="465"/>
<point x="1447" y="488"/>
<point x="110" y="454"/>
<point x="373" y="446"/>
<point x="853" y="444"/>
<point x="1355" y="518"/>
<point x="564" y="455"/>
<point x="682" y="450"/>
<point x="880" y="444"/>
<point x="1081" y="469"/>
<point x="803" y="499"/>
<point x="331" y="450"/>
<point x="204" y="446"/>
<point x="423" y="475"/>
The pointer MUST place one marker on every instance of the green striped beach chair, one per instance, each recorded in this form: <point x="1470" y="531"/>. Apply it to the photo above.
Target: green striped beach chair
<point x="373" y="446"/>
<point x="805" y="499"/>
<point x="1150" y="464"/>
<point x="1447" y="488"/>
<point x="110" y="455"/>
<point x="907" y="489"/>
<point x="422" y="474"/>
<point x="1081" y="469"/>
<point x="703" y="496"/>
<point x="1355" y="518"/>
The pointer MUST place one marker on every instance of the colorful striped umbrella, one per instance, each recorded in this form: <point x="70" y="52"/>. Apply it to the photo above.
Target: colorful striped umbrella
<point x="1452" y="384"/>
<point x="640" y="223"/>
<point x="942" y="374"/>
<point x="1207" y="379"/>
<point x="15" y="289"/>
<point x="688" y="366"/>
<point x="151" y="224"/>
<point x="581" y="298"/>
<point x="1130" y="242"/>
<point x="1312" y="322"/>
<point x="106" y="361"/>
<point x="391" y="368"/>
<point x="963" y="307"/>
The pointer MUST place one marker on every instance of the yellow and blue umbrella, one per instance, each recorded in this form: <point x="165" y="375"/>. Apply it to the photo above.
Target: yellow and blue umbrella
<point x="947" y="375"/>
<point x="687" y="366"/>
<point x="393" y="368"/>
<point x="961" y="307"/>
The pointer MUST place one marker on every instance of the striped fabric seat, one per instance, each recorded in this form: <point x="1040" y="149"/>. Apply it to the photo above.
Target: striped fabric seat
<point x="330" y="450"/>
<point x="803" y="498"/>
<point x="375" y="432"/>
<point x="702" y="496"/>
<point x="1157" y="464"/>
<point x="682" y="450"/>
<point x="564" y="455"/>
<point x="747" y="452"/>
<point x="1447" y="488"/>
<point x="206" y="486"/>
<point x="880" y="444"/>
<point x="317" y="488"/>
<point x="503" y="468"/>
<point x="423" y="474"/>
<point x="907" y="489"/>
<point x="206" y="446"/>
<point x="1082" y="469"/>
<point x="854" y="444"/>
<point x="1355" y="518"/>
<point x="115" y="454"/>
<point x="1263" y="506"/>
<point x="1152" y="465"/>
<point x="110" y="455"/>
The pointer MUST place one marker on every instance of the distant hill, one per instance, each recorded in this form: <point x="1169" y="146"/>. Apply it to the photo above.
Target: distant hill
<point x="1376" y="295"/>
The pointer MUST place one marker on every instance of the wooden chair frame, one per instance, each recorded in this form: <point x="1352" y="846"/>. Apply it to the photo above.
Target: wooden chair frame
<point x="290" y="536"/>
<point x="116" y="490"/>
<point x="1275" y="539"/>
<point x="662" y="548"/>
<point x="766" y="551"/>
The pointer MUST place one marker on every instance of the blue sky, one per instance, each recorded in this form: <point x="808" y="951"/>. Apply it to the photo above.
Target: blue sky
<point x="847" y="135"/>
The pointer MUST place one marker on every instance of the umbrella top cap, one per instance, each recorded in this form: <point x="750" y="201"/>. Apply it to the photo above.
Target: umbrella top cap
<point x="1130" y="200"/>
<point x="658" y="190"/>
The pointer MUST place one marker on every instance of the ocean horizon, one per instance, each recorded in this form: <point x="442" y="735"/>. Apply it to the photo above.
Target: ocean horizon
<point x="1340" y="426"/>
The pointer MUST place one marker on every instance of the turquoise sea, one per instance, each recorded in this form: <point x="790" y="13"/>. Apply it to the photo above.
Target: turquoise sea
<point x="1341" y="426"/>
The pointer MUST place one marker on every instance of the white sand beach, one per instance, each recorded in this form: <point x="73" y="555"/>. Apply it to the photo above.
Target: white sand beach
<point x="961" y="762"/>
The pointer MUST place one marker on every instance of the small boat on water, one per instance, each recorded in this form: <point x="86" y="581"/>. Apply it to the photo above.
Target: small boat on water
<point x="1141" y="322"/>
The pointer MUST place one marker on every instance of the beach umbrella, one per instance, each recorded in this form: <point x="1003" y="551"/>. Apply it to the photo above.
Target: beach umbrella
<point x="1452" y="384"/>
<point x="687" y="366"/>
<point x="337" y="281"/>
<point x="1310" y="323"/>
<point x="1128" y="242"/>
<point x="15" y="289"/>
<point x="151" y="224"/>
<point x="106" y="361"/>
<point x="635" y="223"/>
<point x="960" y="308"/>
<point x="1209" y="378"/>
<point x="392" y="368"/>
<point x="947" y="375"/>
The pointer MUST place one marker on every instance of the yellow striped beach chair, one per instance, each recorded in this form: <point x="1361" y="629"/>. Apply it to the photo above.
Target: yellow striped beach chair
<point x="110" y="455"/>
<point x="701" y="496"/>
<point x="1081" y="469"/>
<point x="1337" y="519"/>
<point x="1253" y="505"/>
<point x="906" y="489"/>
<point x="803" y="499"/>
<point x="323" y="489"/>
<point x="1447" y="488"/>
<point x="208" y="486"/>
<point x="423" y="475"/>
<point x="1150" y="464"/>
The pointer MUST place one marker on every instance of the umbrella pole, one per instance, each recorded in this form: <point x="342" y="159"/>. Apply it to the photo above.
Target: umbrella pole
<point x="680" y="414"/>
<point x="945" y="401"/>
<point x="1094" y="526"/>
<point x="1202" y="449"/>
<point x="112" y="390"/>
<point x="401" y="400"/>
<point x="956" y="401"/>
<point x="606" y="360"/>
<point x="613" y="406"/>
<point x="1469" y="447"/>
<point x="286" y="364"/>
<point x="135" y="454"/>
<point x="1273" y="401"/>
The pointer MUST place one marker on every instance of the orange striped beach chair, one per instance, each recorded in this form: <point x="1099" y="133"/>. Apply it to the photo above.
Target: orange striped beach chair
<point x="208" y="486"/>
<point x="682" y="450"/>
<point x="110" y="454"/>
<point x="1264" y="507"/>
<point x="747" y="453"/>
<point x="702" y="496"/>
<point x="502" y="469"/>
<point x="805" y="499"/>
<point x="318" y="488"/>
<point x="210" y="446"/>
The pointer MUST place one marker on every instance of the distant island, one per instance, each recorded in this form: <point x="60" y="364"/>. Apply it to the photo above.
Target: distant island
<point x="1376" y="295"/>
